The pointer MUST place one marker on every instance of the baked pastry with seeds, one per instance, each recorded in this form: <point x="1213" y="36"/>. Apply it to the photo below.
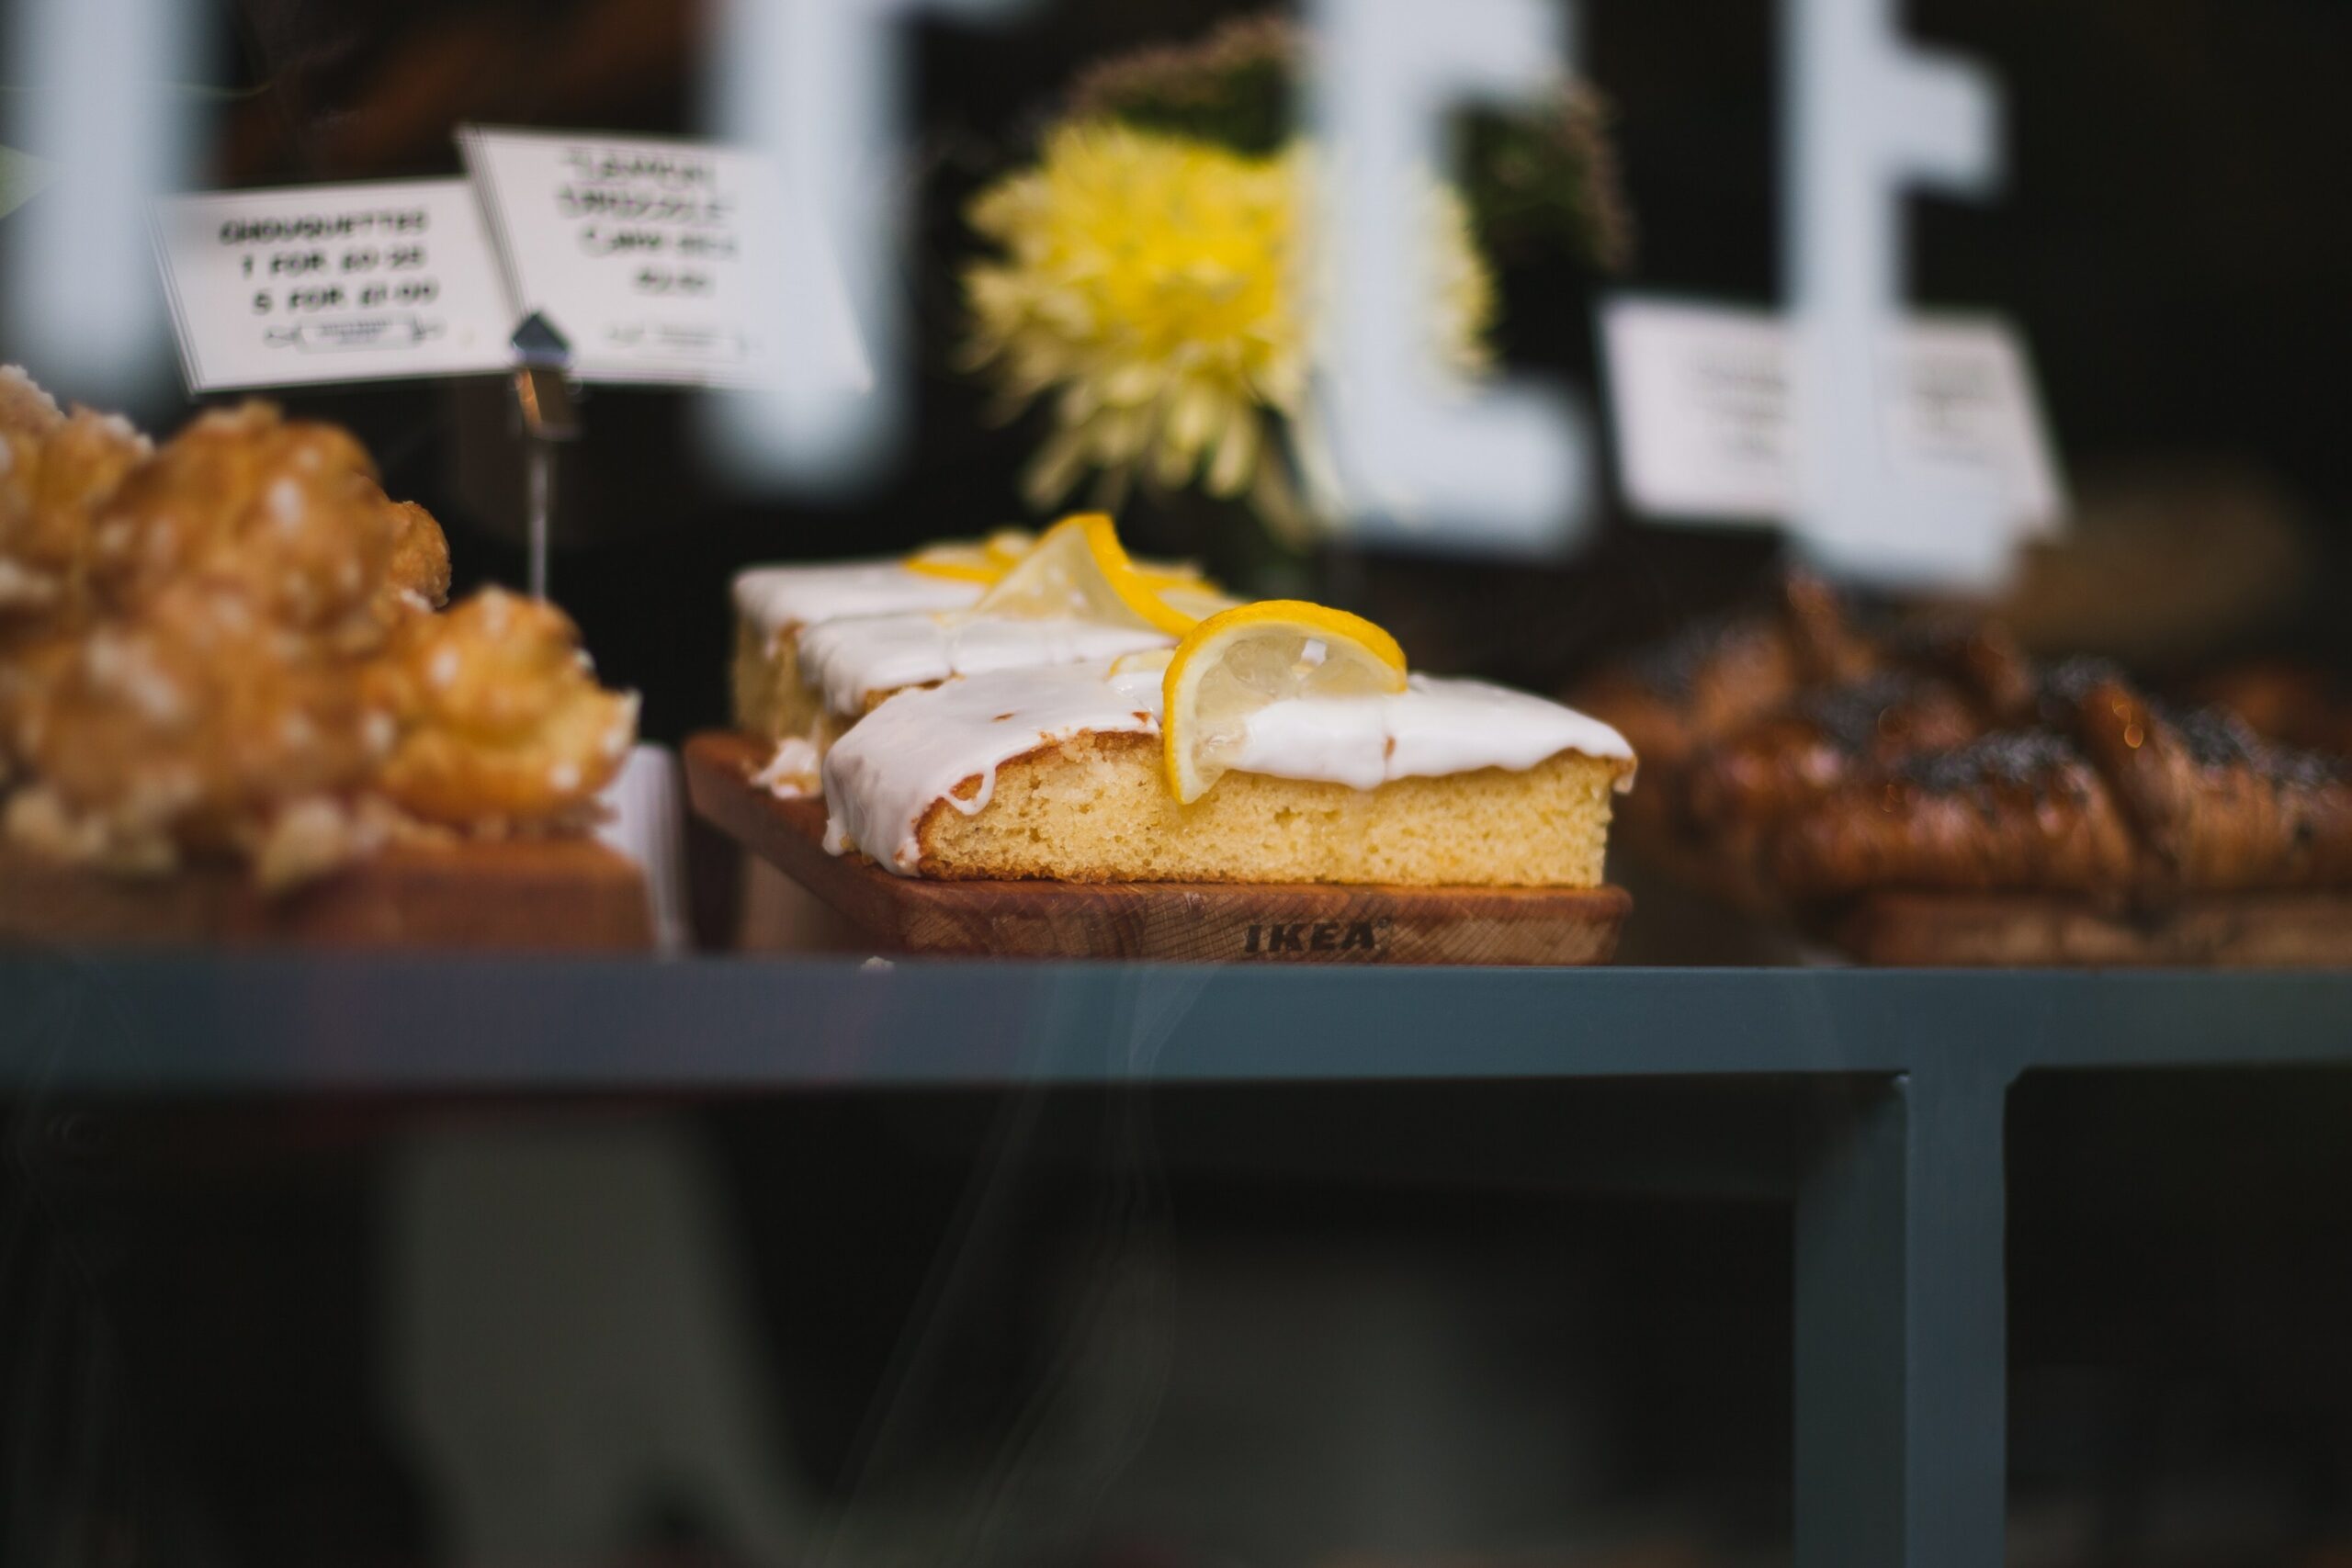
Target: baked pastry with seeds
<point x="2120" y="802"/>
<point x="1711" y="682"/>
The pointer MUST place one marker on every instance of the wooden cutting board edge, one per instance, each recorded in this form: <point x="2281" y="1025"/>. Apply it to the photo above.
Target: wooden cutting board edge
<point x="1180" y="922"/>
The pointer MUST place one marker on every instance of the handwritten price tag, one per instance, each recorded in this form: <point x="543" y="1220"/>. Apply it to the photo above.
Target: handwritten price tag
<point x="333" y="283"/>
<point x="649" y="257"/>
<point x="1702" y="397"/>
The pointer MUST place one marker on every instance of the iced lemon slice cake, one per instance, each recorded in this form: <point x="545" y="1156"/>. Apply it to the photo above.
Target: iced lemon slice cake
<point x="1278" y="742"/>
<point x="773" y="604"/>
<point x="818" y="648"/>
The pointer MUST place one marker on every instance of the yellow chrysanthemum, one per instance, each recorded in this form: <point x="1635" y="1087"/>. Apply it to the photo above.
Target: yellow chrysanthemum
<point x="1151" y="285"/>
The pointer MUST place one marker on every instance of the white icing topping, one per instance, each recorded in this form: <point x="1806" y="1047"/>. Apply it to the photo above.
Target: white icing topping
<point x="894" y="763"/>
<point x="847" y="660"/>
<point x="775" y="597"/>
<point x="791" y="773"/>
<point x="912" y="752"/>
<point x="1431" y="728"/>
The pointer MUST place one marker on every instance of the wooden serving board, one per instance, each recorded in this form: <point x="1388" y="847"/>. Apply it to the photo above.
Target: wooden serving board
<point x="1180" y="922"/>
<point x="2248" y="930"/>
<point x="569" y="895"/>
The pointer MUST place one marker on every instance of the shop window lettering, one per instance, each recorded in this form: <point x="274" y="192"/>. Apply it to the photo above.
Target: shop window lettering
<point x="820" y="84"/>
<point x="1869" y="119"/>
<point x="1506" y="468"/>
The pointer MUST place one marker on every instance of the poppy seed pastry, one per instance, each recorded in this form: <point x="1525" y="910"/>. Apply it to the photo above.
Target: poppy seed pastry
<point x="2125" y="803"/>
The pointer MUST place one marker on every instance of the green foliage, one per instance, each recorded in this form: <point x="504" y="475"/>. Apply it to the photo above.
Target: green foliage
<point x="1236" y="88"/>
<point x="1539" y="181"/>
<point x="1546" y="179"/>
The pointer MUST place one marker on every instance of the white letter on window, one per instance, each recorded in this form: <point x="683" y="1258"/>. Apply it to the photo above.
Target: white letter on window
<point x="816" y="83"/>
<point x="1866" y="116"/>
<point x="103" y="92"/>
<point x="1503" y="469"/>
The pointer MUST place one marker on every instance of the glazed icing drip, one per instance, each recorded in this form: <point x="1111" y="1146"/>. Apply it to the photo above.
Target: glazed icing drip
<point x="847" y="660"/>
<point x="1431" y="728"/>
<point x="791" y="771"/>
<point x="912" y="752"/>
<point x="775" y="597"/>
<point x="895" y="763"/>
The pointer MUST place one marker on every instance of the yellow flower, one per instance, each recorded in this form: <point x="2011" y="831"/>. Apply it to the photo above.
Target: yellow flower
<point x="1151" y="286"/>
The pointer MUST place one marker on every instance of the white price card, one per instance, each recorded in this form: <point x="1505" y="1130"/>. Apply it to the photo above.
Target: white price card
<point x="1700" y="395"/>
<point x="314" y="284"/>
<point x="655" y="260"/>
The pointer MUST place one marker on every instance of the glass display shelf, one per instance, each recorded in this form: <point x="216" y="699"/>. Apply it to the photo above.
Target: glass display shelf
<point x="1896" y="1185"/>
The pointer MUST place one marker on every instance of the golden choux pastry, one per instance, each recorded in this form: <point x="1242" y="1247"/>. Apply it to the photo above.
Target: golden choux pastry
<point x="200" y="727"/>
<point x="230" y="646"/>
<point x="54" y="482"/>
<point x="500" y="716"/>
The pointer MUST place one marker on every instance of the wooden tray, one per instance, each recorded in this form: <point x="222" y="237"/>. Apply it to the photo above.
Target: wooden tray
<point x="1185" y="923"/>
<point x="571" y="895"/>
<point x="2250" y="930"/>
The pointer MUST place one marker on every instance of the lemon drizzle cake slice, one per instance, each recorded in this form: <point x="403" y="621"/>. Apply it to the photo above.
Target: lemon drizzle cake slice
<point x="851" y="665"/>
<point x="818" y="648"/>
<point x="1058" y="774"/>
<point x="775" y="604"/>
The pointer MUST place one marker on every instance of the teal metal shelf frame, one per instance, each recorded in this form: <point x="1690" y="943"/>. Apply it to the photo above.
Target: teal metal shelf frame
<point x="1900" y="1342"/>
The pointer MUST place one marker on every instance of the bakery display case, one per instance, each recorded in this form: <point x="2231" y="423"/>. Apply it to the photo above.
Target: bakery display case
<point x="1078" y="1255"/>
<point x="1059" y="784"/>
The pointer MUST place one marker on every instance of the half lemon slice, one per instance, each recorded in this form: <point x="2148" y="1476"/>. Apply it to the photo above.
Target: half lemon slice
<point x="958" y="562"/>
<point x="1007" y="546"/>
<point x="1143" y="661"/>
<point x="1079" y="570"/>
<point x="1196" y="598"/>
<point x="1235" y="664"/>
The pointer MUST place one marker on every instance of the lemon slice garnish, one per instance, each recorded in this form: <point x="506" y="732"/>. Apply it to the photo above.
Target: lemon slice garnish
<point x="1169" y="572"/>
<point x="1197" y="598"/>
<point x="1235" y="664"/>
<point x="958" y="563"/>
<point x="1143" y="661"/>
<point x="1007" y="546"/>
<point x="1080" y="571"/>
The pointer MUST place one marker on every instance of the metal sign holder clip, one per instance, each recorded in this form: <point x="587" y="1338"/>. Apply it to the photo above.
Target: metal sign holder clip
<point x="543" y="397"/>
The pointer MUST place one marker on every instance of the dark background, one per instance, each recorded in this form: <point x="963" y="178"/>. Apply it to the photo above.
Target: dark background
<point x="2177" y="241"/>
<point x="2173" y="239"/>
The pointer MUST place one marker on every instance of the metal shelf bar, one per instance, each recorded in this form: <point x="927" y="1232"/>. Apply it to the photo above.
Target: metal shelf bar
<point x="306" y="1025"/>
